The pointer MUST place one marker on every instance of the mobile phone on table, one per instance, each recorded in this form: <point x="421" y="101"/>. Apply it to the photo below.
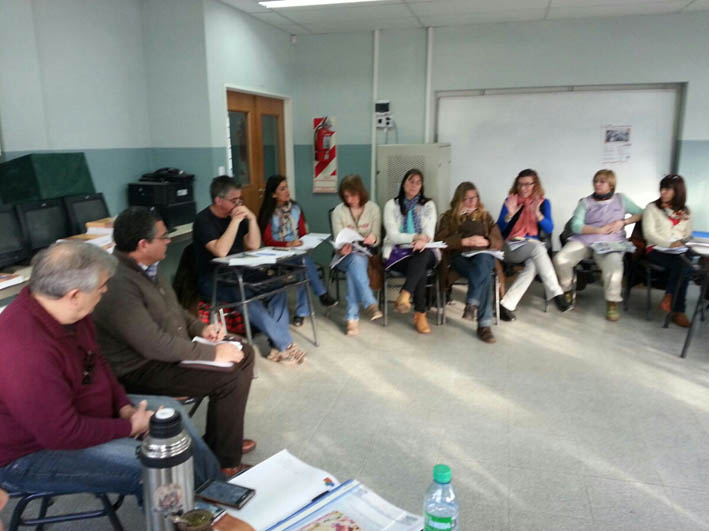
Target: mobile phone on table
<point x="223" y="493"/>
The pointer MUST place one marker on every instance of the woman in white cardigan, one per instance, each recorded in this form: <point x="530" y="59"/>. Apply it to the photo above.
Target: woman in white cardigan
<point x="666" y="223"/>
<point x="410" y="219"/>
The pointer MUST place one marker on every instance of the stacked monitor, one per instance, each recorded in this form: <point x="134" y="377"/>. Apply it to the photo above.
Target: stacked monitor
<point x="13" y="237"/>
<point x="33" y="225"/>
<point x="46" y="222"/>
<point x="83" y="208"/>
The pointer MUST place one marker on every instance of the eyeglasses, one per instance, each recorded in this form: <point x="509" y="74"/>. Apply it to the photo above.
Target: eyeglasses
<point x="473" y="198"/>
<point x="236" y="201"/>
<point x="164" y="237"/>
<point x="522" y="184"/>
<point x="89" y="364"/>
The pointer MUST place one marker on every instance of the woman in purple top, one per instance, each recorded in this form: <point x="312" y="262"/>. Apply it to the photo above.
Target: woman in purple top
<point x="598" y="225"/>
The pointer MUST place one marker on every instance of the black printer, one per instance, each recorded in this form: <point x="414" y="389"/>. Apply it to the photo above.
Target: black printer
<point x="170" y="191"/>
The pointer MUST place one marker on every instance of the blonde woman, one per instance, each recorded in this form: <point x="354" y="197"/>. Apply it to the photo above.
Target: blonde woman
<point x="599" y="218"/>
<point x="467" y="226"/>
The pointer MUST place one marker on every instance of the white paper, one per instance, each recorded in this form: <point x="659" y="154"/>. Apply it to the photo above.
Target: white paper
<point x="515" y="244"/>
<point x="8" y="279"/>
<point x="205" y="341"/>
<point x="312" y="240"/>
<point x="283" y="484"/>
<point x="346" y="236"/>
<point x="361" y="505"/>
<point x="429" y="245"/>
<point x="616" y="143"/>
<point x="497" y="254"/>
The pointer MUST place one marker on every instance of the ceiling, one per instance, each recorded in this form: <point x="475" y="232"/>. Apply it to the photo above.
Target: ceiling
<point x="389" y="14"/>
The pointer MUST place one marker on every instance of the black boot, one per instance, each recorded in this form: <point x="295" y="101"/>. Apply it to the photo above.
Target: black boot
<point x="507" y="315"/>
<point x="561" y="303"/>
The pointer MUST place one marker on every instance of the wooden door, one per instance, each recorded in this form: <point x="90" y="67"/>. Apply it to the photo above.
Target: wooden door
<point x="256" y="139"/>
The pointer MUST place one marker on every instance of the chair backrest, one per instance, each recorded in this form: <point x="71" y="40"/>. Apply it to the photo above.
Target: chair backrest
<point x="329" y="221"/>
<point x="185" y="282"/>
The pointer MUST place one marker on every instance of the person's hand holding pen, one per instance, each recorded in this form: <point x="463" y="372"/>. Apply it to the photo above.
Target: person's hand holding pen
<point x="213" y="332"/>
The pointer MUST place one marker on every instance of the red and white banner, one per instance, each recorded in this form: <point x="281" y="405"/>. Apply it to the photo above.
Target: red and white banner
<point x="325" y="151"/>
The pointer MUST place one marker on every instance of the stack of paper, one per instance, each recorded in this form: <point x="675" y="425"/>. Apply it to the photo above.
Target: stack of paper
<point x="100" y="226"/>
<point x="429" y="245"/>
<point x="312" y="240"/>
<point x="292" y="495"/>
<point x="10" y="279"/>
<point x="105" y="241"/>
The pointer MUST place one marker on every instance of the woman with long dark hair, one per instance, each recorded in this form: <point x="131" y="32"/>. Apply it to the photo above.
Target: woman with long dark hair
<point x="282" y="224"/>
<point x="468" y="227"/>
<point x="525" y="214"/>
<point x="667" y="224"/>
<point x="410" y="220"/>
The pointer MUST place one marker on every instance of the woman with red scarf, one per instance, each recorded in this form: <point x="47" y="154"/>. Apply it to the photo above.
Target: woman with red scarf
<point x="525" y="215"/>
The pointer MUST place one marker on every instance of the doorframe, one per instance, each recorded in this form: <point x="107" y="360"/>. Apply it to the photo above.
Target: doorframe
<point x="287" y="126"/>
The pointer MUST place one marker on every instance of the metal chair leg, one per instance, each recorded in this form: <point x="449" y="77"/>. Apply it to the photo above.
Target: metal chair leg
<point x="385" y="291"/>
<point x="111" y="510"/>
<point x="648" y="299"/>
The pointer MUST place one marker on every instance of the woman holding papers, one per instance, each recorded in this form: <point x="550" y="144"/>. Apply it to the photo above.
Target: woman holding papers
<point x="472" y="237"/>
<point x="666" y="226"/>
<point x="358" y="220"/>
<point x="525" y="216"/>
<point x="282" y="223"/>
<point x="410" y="223"/>
<point x="598" y="226"/>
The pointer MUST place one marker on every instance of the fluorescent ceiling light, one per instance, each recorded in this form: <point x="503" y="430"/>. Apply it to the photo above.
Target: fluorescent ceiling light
<point x="272" y="4"/>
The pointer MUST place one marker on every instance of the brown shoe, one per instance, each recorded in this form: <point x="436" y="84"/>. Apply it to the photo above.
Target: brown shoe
<point x="247" y="445"/>
<point x="485" y="334"/>
<point x="421" y="323"/>
<point x="403" y="302"/>
<point x="232" y="471"/>
<point x="470" y="312"/>
<point x="666" y="304"/>
<point x="352" y="327"/>
<point x="612" y="313"/>
<point x="374" y="312"/>
<point x="680" y="319"/>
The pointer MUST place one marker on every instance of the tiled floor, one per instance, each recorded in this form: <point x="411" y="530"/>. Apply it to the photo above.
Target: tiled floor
<point x="568" y="422"/>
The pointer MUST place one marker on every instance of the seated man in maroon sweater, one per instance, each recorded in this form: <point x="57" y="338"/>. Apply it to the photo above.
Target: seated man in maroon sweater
<point x="66" y="423"/>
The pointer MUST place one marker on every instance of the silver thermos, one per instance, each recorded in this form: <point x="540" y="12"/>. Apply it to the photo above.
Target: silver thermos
<point x="168" y="480"/>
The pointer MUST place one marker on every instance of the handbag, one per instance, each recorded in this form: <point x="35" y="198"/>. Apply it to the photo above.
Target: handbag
<point x="375" y="271"/>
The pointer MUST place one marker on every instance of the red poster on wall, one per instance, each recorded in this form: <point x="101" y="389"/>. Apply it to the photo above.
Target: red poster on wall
<point x="325" y="151"/>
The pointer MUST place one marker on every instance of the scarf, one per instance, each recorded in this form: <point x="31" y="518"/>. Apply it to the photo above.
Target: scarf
<point x="411" y="224"/>
<point x="602" y="197"/>
<point x="286" y="224"/>
<point x="527" y="224"/>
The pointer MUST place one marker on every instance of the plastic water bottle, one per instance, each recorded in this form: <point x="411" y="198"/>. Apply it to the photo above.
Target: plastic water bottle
<point x="440" y="510"/>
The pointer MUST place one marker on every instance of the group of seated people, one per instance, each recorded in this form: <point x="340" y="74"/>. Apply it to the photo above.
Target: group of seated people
<point x="67" y="421"/>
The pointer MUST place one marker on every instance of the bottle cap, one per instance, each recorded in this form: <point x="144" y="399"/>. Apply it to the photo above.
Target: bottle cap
<point x="165" y="423"/>
<point x="442" y="474"/>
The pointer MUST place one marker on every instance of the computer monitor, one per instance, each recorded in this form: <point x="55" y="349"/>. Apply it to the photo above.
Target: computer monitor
<point x="83" y="208"/>
<point x="13" y="238"/>
<point x="45" y="222"/>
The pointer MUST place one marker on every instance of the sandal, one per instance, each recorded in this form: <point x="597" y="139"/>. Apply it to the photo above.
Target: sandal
<point x="293" y="355"/>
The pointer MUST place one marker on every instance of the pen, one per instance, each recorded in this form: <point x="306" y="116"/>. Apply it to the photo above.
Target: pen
<point x="223" y="319"/>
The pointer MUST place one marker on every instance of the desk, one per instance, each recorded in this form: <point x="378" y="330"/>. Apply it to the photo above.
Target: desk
<point x="285" y="274"/>
<point x="181" y="234"/>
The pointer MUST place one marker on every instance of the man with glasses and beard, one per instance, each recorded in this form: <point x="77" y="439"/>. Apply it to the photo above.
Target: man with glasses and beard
<point x="144" y="334"/>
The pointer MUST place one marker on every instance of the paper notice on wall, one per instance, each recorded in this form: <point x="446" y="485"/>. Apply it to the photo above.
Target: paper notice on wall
<point x="616" y="143"/>
<point x="325" y="150"/>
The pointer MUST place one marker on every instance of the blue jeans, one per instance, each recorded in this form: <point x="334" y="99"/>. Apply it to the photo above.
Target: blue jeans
<point x="478" y="271"/>
<point x="302" y="308"/>
<point x="271" y="318"/>
<point x="110" y="467"/>
<point x="358" y="291"/>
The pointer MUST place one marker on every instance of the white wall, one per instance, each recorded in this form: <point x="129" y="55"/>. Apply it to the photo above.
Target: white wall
<point x="333" y="76"/>
<point x="175" y="58"/>
<point x="246" y="53"/>
<point x="634" y="49"/>
<point x="72" y="75"/>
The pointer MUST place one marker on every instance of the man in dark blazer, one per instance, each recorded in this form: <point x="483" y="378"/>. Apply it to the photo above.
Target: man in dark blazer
<point x="144" y="334"/>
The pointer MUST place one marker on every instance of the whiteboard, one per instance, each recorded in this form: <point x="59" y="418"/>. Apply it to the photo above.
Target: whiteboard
<point x="562" y="136"/>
